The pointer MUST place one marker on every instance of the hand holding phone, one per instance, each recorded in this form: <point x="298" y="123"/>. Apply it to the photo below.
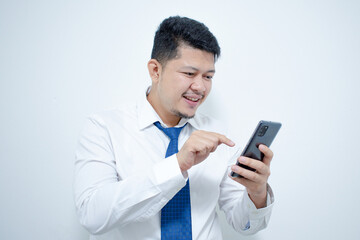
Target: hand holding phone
<point x="264" y="133"/>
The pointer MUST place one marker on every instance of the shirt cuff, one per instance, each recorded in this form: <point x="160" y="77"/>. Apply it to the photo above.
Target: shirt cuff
<point x="255" y="213"/>
<point x="168" y="176"/>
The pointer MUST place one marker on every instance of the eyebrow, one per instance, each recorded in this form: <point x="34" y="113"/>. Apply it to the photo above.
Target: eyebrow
<point x="195" y="69"/>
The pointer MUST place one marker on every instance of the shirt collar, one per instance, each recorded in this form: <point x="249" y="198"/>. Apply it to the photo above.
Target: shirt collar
<point x="147" y="115"/>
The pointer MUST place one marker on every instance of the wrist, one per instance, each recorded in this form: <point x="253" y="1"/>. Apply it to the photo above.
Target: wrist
<point x="182" y="165"/>
<point x="259" y="199"/>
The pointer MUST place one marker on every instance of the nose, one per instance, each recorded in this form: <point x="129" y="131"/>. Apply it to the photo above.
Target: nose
<point x="198" y="85"/>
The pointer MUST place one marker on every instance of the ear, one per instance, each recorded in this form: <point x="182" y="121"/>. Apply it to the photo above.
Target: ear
<point x="155" y="69"/>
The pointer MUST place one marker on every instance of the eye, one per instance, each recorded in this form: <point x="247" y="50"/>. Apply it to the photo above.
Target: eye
<point x="209" y="77"/>
<point x="190" y="74"/>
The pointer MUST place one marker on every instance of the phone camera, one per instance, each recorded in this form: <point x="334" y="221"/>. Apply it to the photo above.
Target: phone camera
<point x="263" y="130"/>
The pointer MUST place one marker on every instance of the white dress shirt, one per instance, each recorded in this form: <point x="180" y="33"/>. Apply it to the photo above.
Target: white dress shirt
<point x="122" y="179"/>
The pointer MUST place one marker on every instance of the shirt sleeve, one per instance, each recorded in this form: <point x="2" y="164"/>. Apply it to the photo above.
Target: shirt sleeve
<point x="240" y="211"/>
<point x="102" y="199"/>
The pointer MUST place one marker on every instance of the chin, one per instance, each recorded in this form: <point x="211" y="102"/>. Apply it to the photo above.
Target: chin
<point x="183" y="115"/>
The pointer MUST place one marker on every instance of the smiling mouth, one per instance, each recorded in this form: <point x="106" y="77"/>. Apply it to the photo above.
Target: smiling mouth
<point x="192" y="99"/>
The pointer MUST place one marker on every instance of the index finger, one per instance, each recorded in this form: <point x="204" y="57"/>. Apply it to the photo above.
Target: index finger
<point x="225" y="140"/>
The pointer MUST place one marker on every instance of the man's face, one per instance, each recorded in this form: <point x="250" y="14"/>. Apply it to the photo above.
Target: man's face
<point x="183" y="84"/>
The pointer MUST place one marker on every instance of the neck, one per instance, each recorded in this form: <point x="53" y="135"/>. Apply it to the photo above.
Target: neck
<point x="169" y="119"/>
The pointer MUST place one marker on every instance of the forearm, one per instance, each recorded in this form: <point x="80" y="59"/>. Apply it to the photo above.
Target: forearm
<point x="241" y="212"/>
<point x="103" y="201"/>
<point x="256" y="218"/>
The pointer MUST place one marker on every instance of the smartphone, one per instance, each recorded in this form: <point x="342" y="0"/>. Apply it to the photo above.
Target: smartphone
<point x="264" y="133"/>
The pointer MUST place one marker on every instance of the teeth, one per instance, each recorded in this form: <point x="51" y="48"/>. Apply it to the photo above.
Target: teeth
<point x="193" y="99"/>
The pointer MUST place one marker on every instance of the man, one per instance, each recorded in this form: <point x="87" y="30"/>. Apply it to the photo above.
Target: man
<point x="129" y="177"/>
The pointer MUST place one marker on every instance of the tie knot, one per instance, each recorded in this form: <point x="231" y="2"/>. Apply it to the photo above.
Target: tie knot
<point x="171" y="132"/>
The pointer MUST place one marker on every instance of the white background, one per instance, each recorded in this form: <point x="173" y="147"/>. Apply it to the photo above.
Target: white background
<point x="297" y="62"/>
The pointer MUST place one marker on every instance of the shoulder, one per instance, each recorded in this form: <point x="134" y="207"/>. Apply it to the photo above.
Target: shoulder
<point x="110" y="117"/>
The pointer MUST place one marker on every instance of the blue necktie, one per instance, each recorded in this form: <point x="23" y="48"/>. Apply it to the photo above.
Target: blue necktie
<point x="176" y="214"/>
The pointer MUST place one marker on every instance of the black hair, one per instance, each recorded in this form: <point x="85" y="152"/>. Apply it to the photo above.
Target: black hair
<point x="177" y="30"/>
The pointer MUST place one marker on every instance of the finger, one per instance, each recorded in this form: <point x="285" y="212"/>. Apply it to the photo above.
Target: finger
<point x="211" y="137"/>
<point x="268" y="154"/>
<point x="250" y="175"/>
<point x="201" y="145"/>
<point x="216" y="138"/>
<point x="243" y="181"/>
<point x="205" y="143"/>
<point x="259" y="166"/>
<point x="225" y="140"/>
